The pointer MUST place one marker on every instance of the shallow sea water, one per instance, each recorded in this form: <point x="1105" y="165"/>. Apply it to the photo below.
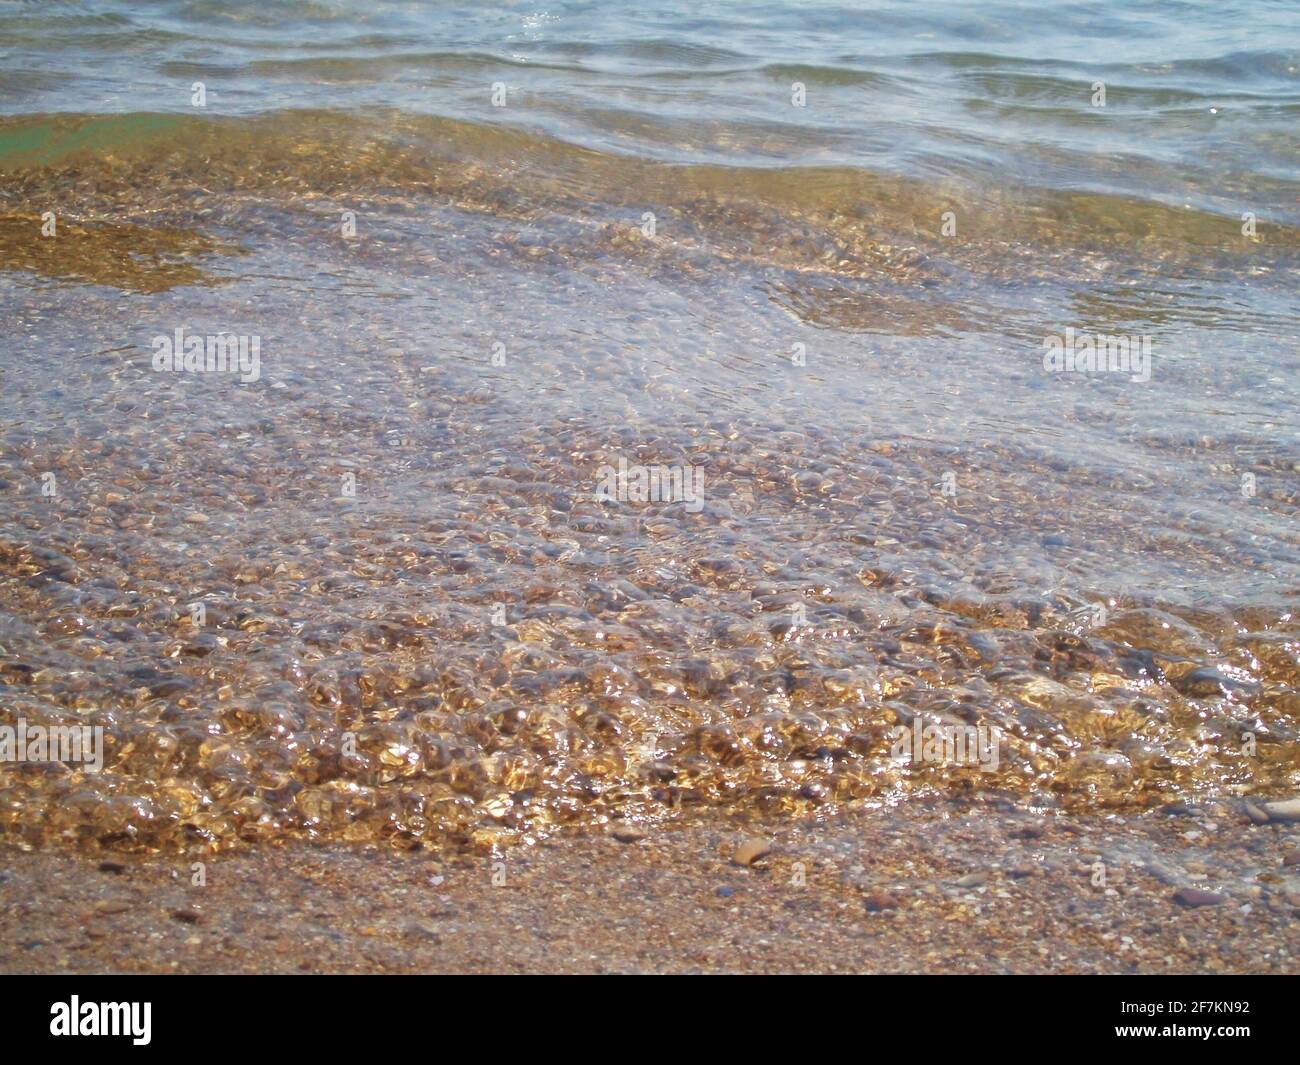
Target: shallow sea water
<point x="420" y="623"/>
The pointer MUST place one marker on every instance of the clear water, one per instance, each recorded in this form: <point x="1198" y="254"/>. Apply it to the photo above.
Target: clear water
<point x="836" y="312"/>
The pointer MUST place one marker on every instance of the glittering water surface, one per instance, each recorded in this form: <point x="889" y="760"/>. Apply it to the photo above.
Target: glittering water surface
<point x="421" y="622"/>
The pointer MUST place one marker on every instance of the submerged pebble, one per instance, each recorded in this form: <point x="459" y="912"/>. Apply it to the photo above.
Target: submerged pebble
<point x="751" y="850"/>
<point x="1194" y="897"/>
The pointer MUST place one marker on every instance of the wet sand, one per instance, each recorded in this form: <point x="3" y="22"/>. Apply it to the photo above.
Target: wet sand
<point x="924" y="887"/>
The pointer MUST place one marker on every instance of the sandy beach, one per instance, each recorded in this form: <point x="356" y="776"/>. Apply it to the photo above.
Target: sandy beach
<point x="926" y="888"/>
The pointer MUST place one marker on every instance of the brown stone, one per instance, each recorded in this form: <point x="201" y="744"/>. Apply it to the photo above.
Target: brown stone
<point x="751" y="850"/>
<point x="880" y="900"/>
<point x="628" y="833"/>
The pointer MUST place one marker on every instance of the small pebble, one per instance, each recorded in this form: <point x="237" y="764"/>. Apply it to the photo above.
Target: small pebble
<point x="751" y="850"/>
<point x="1287" y="810"/>
<point x="628" y="834"/>
<point x="1190" y="896"/>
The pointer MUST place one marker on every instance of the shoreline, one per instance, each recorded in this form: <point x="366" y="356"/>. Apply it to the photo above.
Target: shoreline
<point x="929" y="886"/>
